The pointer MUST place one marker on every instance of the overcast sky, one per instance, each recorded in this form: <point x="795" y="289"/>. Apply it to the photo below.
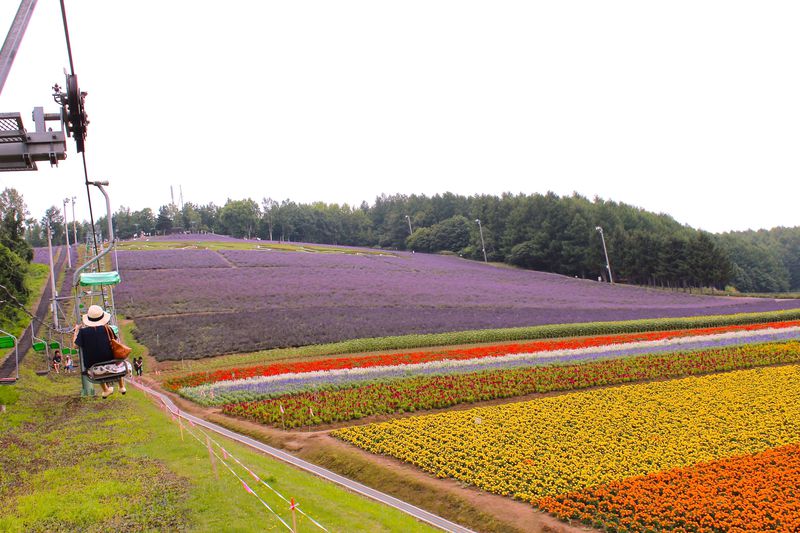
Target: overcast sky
<point x="690" y="108"/>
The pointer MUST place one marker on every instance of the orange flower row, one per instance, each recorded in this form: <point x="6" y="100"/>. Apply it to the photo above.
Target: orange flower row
<point x="747" y="493"/>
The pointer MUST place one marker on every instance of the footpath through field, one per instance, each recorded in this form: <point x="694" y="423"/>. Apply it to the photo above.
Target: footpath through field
<point x="391" y="501"/>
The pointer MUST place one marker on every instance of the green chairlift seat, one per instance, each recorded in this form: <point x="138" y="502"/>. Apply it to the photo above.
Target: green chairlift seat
<point x="39" y="347"/>
<point x="7" y="340"/>
<point x="88" y="279"/>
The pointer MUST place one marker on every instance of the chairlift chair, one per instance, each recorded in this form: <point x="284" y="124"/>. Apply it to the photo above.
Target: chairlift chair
<point x="7" y="340"/>
<point x="42" y="347"/>
<point x="89" y="284"/>
<point x="105" y="281"/>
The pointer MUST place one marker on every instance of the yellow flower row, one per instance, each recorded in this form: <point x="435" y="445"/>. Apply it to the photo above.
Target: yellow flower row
<point x="569" y="442"/>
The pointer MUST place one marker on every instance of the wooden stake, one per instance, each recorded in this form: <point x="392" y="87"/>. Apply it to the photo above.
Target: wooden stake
<point x="180" y="424"/>
<point x="294" y="517"/>
<point x="212" y="458"/>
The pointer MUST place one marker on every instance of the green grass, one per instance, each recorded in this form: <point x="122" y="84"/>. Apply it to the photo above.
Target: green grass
<point x="733" y="292"/>
<point x="479" y="336"/>
<point x="119" y="464"/>
<point x="242" y="245"/>
<point x="37" y="277"/>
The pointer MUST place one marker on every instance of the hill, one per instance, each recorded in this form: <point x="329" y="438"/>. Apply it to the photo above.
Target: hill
<point x="198" y="299"/>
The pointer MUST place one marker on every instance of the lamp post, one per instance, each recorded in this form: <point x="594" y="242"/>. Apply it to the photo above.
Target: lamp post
<point x="605" y="251"/>
<point x="483" y="246"/>
<point x="410" y="231"/>
<point x="66" y="232"/>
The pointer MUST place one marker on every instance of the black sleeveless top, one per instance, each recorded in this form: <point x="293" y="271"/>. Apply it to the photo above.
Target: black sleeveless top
<point x="95" y="345"/>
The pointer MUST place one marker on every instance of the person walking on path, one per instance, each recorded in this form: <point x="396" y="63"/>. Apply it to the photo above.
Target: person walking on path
<point x="93" y="339"/>
<point x="137" y="366"/>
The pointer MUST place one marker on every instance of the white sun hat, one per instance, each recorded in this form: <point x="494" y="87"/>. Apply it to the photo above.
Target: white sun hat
<point x="95" y="316"/>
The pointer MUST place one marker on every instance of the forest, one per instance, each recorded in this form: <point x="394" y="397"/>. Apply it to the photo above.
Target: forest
<point x="15" y="255"/>
<point x="547" y="232"/>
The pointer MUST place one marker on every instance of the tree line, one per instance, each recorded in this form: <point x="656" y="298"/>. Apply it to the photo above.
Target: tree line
<point x="539" y="231"/>
<point x="15" y="255"/>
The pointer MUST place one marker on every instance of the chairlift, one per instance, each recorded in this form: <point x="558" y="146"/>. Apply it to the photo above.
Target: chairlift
<point x="94" y="286"/>
<point x="42" y="347"/>
<point x="7" y="340"/>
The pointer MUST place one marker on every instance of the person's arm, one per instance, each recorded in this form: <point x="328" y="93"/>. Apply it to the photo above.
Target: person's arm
<point x="75" y="335"/>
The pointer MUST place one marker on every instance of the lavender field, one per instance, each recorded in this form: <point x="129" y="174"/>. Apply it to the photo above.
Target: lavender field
<point x="199" y="303"/>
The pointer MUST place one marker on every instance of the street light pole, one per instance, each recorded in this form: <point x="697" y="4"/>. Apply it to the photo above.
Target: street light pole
<point x="605" y="251"/>
<point x="410" y="231"/>
<point x="66" y="232"/>
<point x="483" y="246"/>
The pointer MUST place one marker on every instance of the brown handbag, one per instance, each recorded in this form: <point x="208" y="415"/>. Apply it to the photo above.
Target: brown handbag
<point x="118" y="350"/>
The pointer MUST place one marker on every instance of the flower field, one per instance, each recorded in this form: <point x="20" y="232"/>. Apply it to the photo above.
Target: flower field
<point x="266" y="299"/>
<point x="626" y="458"/>
<point x="567" y="349"/>
<point x="414" y="393"/>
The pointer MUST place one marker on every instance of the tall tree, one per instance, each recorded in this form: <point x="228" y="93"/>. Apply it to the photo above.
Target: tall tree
<point x="239" y="218"/>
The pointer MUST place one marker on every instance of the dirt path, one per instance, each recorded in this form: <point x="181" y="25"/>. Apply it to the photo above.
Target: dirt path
<point x="222" y="256"/>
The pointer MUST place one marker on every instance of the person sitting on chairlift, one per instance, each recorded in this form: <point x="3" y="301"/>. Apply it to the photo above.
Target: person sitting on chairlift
<point x="57" y="361"/>
<point x="93" y="339"/>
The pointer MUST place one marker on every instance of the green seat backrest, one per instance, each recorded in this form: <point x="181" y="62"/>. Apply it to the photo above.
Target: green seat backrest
<point x="7" y="342"/>
<point x="55" y="345"/>
<point x="39" y="346"/>
<point x="87" y="279"/>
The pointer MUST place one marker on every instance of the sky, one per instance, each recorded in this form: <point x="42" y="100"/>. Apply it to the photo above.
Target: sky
<point x="686" y="108"/>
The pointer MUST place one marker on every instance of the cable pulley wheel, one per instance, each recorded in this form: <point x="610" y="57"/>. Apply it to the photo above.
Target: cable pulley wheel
<point x="76" y="114"/>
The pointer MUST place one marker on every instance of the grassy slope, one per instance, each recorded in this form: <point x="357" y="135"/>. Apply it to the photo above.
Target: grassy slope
<point x="38" y="276"/>
<point x="242" y="245"/>
<point x="97" y="465"/>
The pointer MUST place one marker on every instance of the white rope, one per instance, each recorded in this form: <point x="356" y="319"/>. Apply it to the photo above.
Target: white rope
<point x="244" y="484"/>
<point x="257" y="478"/>
<point x="249" y="471"/>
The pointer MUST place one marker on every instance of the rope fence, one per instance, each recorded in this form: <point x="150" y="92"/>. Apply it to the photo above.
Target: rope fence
<point x="218" y="453"/>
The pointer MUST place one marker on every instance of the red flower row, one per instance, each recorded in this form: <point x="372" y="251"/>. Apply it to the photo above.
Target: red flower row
<point x="494" y="350"/>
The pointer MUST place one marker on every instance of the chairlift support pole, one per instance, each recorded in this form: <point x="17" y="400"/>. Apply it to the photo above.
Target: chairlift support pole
<point x="21" y="149"/>
<point x="66" y="233"/>
<point x="14" y="38"/>
<point x="52" y="276"/>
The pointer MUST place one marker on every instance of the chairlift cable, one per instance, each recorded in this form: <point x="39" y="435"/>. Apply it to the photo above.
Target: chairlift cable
<point x="66" y="34"/>
<point x="85" y="171"/>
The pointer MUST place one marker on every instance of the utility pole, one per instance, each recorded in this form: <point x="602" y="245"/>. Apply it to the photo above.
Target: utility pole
<point x="66" y="233"/>
<point x="605" y="251"/>
<point x="410" y="231"/>
<point x="483" y="246"/>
